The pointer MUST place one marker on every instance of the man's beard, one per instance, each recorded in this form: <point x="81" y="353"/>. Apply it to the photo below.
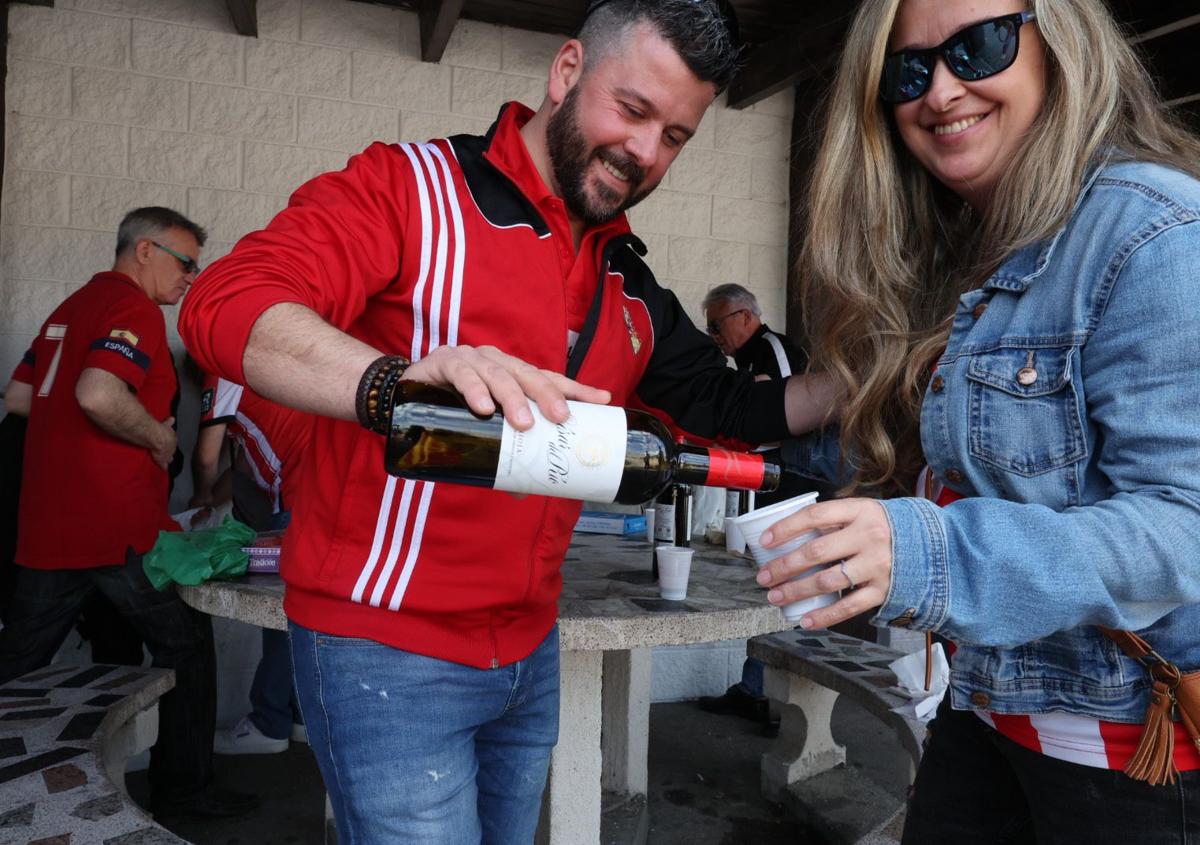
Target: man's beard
<point x="570" y="157"/>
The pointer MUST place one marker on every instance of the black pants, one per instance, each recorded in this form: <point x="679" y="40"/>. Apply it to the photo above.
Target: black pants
<point x="45" y="605"/>
<point x="976" y="786"/>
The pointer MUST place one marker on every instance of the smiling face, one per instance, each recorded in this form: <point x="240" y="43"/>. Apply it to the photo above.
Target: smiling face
<point x="966" y="134"/>
<point x="619" y="125"/>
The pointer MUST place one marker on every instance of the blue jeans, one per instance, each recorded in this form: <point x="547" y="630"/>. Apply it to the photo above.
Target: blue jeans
<point x="419" y="750"/>
<point x="273" y="706"/>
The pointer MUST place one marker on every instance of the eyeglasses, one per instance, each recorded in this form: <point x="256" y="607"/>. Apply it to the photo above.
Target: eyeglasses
<point x="723" y="6"/>
<point x="974" y="52"/>
<point x="189" y="265"/>
<point x="714" y="326"/>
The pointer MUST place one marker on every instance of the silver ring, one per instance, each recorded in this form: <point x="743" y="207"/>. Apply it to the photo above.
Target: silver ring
<point x="850" y="585"/>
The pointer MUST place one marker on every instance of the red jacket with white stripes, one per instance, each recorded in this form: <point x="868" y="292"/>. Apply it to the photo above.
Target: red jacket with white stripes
<point x="457" y="241"/>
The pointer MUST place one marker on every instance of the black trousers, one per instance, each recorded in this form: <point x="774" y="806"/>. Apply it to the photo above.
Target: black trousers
<point x="45" y="605"/>
<point x="976" y="786"/>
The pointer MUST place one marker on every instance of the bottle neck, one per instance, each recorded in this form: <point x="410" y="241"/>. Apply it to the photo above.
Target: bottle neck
<point x="720" y="468"/>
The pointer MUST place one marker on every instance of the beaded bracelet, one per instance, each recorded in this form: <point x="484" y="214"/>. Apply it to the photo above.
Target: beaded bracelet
<point x="375" y="390"/>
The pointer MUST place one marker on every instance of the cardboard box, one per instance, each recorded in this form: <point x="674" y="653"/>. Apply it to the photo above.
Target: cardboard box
<point x="598" y="522"/>
<point x="264" y="552"/>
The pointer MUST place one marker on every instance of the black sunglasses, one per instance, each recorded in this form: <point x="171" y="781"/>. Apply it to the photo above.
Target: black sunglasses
<point x="974" y="52"/>
<point x="189" y="265"/>
<point x="723" y="6"/>
<point x="714" y="326"/>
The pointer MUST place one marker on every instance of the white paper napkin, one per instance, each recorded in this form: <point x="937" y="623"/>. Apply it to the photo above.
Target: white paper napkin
<point x="910" y="677"/>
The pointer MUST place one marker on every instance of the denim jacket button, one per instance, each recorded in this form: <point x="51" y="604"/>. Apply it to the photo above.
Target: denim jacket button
<point x="938" y="384"/>
<point x="978" y="310"/>
<point x="1026" y="376"/>
<point x="980" y="699"/>
<point x="954" y="476"/>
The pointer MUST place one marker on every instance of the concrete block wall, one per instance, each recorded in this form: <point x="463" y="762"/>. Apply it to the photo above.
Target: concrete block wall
<point x="118" y="103"/>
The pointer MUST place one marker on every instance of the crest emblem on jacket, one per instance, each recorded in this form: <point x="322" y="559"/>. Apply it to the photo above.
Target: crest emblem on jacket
<point x="634" y="340"/>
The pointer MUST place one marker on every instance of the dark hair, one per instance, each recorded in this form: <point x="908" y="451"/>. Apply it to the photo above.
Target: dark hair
<point x="703" y="32"/>
<point x="152" y="221"/>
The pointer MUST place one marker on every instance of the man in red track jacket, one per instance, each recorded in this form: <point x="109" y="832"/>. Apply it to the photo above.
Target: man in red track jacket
<point x="423" y="615"/>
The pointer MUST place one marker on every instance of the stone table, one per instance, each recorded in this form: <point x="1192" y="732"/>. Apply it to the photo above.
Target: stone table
<point x="610" y="616"/>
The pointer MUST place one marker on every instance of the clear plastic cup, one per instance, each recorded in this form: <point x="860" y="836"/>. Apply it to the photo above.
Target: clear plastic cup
<point x="674" y="567"/>
<point x="649" y="514"/>
<point x="753" y="524"/>
<point x="735" y="543"/>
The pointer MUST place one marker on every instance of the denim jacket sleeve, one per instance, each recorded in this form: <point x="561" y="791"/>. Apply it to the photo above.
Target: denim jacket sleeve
<point x="817" y="455"/>
<point x="992" y="572"/>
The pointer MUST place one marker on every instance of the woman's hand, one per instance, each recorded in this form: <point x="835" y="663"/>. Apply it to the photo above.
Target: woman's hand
<point x="857" y="538"/>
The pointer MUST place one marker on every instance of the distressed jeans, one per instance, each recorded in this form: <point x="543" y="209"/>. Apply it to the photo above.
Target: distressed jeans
<point x="419" y="750"/>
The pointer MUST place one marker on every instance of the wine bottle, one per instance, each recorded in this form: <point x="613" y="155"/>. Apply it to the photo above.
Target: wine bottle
<point x="601" y="453"/>
<point x="684" y="502"/>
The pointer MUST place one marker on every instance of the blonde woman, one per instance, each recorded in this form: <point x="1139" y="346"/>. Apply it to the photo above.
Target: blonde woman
<point x="1002" y="269"/>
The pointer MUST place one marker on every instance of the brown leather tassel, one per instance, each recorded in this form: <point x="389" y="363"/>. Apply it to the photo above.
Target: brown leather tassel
<point x="1154" y="760"/>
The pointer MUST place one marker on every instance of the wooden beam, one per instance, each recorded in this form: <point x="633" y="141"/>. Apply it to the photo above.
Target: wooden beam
<point x="807" y="125"/>
<point x="245" y="16"/>
<point x="801" y="53"/>
<point x="438" y="18"/>
<point x="1172" y="60"/>
<point x="1142" y="16"/>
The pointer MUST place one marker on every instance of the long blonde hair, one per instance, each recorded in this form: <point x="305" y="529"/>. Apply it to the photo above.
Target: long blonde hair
<point x="887" y="249"/>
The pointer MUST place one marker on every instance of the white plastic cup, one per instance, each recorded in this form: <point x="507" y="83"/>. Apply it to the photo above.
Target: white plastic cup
<point x="674" y="567"/>
<point x="735" y="543"/>
<point x="753" y="524"/>
<point x="649" y="514"/>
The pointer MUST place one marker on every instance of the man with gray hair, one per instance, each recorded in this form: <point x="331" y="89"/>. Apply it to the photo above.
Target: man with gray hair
<point x="96" y="386"/>
<point x="734" y="320"/>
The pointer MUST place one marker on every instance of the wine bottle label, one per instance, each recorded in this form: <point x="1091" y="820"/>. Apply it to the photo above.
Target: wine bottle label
<point x="582" y="458"/>
<point x="742" y="470"/>
<point x="664" y="523"/>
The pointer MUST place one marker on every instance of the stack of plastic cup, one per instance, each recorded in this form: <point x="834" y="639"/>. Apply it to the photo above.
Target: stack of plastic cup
<point x="753" y="524"/>
<point x="674" y="567"/>
<point x="734" y="543"/>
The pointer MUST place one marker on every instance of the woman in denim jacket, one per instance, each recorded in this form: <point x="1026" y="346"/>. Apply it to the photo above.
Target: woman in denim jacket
<point x="1002" y="277"/>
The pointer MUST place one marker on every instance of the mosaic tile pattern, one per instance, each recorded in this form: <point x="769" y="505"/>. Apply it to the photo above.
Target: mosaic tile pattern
<point x="53" y="726"/>
<point x="848" y="666"/>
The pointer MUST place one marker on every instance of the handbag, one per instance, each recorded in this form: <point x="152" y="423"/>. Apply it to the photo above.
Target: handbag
<point x="1173" y="695"/>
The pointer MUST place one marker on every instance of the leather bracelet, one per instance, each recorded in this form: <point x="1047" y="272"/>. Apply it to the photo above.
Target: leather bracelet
<point x="373" y="399"/>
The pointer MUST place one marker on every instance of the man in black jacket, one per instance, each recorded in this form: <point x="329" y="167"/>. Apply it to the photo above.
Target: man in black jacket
<point x="734" y="320"/>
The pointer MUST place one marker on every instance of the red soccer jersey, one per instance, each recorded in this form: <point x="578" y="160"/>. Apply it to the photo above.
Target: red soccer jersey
<point x="268" y="434"/>
<point x="86" y="495"/>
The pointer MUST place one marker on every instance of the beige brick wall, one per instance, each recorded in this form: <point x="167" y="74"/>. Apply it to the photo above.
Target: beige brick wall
<point x="119" y="103"/>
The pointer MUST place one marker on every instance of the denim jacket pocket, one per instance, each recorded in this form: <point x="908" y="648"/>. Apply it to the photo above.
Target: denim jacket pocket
<point x="1025" y="415"/>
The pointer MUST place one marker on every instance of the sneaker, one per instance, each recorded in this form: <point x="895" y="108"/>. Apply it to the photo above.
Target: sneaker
<point x="737" y="702"/>
<point x="246" y="738"/>
<point x="299" y="732"/>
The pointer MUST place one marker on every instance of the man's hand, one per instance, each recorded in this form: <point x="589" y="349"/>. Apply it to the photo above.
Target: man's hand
<point x="485" y="377"/>
<point x="165" y="440"/>
<point x="857" y="536"/>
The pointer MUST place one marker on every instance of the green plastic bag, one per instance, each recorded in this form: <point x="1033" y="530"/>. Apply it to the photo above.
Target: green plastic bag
<point x="193" y="557"/>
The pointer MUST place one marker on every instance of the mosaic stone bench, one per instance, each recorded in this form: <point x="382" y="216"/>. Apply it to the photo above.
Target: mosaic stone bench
<point x="66" y="732"/>
<point x="805" y="672"/>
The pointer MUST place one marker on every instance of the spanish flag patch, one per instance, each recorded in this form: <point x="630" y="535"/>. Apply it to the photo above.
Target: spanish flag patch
<point x="126" y="335"/>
